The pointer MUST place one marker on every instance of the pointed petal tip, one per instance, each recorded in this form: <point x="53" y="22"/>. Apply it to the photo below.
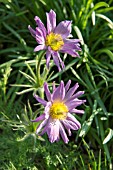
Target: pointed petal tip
<point x="34" y="95"/>
<point x="36" y="18"/>
<point x="62" y="82"/>
<point x="32" y="120"/>
<point x="45" y="83"/>
<point x="52" y="11"/>
<point x="76" y="86"/>
<point x="29" y="26"/>
<point x="66" y="142"/>
<point x="84" y="101"/>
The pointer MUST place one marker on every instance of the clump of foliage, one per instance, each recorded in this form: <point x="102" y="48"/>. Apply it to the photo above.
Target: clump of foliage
<point x="91" y="147"/>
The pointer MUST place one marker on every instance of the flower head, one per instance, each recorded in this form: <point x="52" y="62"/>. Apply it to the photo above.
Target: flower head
<point x="54" y="39"/>
<point x="57" y="113"/>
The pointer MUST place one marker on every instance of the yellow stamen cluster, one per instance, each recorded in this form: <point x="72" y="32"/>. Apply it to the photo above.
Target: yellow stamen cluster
<point x="55" y="41"/>
<point x="58" y="110"/>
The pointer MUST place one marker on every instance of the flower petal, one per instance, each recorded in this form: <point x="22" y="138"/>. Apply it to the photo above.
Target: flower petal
<point x="54" y="87"/>
<point x="57" y="56"/>
<point x="63" y="28"/>
<point x="68" y="124"/>
<point x="46" y="89"/>
<point x="70" y="52"/>
<point x="53" y="131"/>
<point x="40" y="25"/>
<point x="47" y="109"/>
<point x="77" y="111"/>
<point x="39" y="47"/>
<point x="73" y="119"/>
<point x="48" y="56"/>
<point x="71" y="92"/>
<point x="42" y="101"/>
<point x="75" y="96"/>
<point x="39" y="36"/>
<point x="59" y="92"/>
<point x="63" y="134"/>
<point x="67" y="85"/>
<point x="40" y="118"/>
<point x="68" y="44"/>
<point x="60" y="60"/>
<point x="41" y="126"/>
<point x="56" y="61"/>
<point x="32" y="31"/>
<point x="73" y="104"/>
<point x="51" y="21"/>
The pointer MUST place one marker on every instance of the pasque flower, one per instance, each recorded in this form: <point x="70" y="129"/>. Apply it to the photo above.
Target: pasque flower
<point x="57" y="116"/>
<point x="54" y="39"/>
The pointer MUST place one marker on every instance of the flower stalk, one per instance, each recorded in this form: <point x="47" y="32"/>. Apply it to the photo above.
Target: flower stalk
<point x="38" y="73"/>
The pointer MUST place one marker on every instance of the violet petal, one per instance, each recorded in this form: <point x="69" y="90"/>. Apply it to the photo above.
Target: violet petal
<point x="32" y="31"/>
<point x="46" y="89"/>
<point x="63" y="28"/>
<point x="74" y="96"/>
<point x="63" y="134"/>
<point x="71" y="92"/>
<point x="48" y="56"/>
<point x="77" y="111"/>
<point x="42" y="101"/>
<point x="67" y="85"/>
<point x="39" y="36"/>
<point x="73" y="119"/>
<point x="41" y="25"/>
<point x="41" y="126"/>
<point x="54" y="131"/>
<point x="40" y="118"/>
<point x="70" y="45"/>
<point x="70" y="52"/>
<point x="73" y="104"/>
<point x="51" y="21"/>
<point x="59" y="92"/>
<point x="56" y="61"/>
<point x="39" y="47"/>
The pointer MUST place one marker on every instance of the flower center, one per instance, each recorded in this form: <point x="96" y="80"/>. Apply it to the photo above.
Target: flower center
<point x="55" y="41"/>
<point x="58" y="111"/>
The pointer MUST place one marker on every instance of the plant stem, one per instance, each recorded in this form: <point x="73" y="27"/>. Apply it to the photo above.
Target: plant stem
<point x="38" y="68"/>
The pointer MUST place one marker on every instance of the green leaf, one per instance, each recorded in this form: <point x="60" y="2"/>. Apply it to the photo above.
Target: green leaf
<point x="87" y="124"/>
<point x="108" y="52"/>
<point x="28" y="77"/>
<point x="108" y="137"/>
<point x="110" y="23"/>
<point x="79" y="34"/>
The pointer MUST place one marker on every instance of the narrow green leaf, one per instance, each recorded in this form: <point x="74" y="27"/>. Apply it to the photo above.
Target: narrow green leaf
<point x="28" y="77"/>
<point x="108" y="137"/>
<point x="16" y="35"/>
<point x="31" y="70"/>
<point x="106" y="19"/>
<point x="108" y="52"/>
<point x="25" y="91"/>
<point x="87" y="124"/>
<point x="79" y="34"/>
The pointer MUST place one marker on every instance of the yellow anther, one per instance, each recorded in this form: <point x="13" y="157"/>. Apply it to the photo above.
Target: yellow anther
<point x="58" y="110"/>
<point x="55" y="41"/>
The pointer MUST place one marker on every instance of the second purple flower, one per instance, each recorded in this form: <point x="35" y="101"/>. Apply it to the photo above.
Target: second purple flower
<point x="57" y="116"/>
<point x="55" y="39"/>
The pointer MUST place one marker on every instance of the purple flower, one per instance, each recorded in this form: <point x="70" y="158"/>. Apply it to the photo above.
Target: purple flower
<point x="55" y="39"/>
<point x="57" y="113"/>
